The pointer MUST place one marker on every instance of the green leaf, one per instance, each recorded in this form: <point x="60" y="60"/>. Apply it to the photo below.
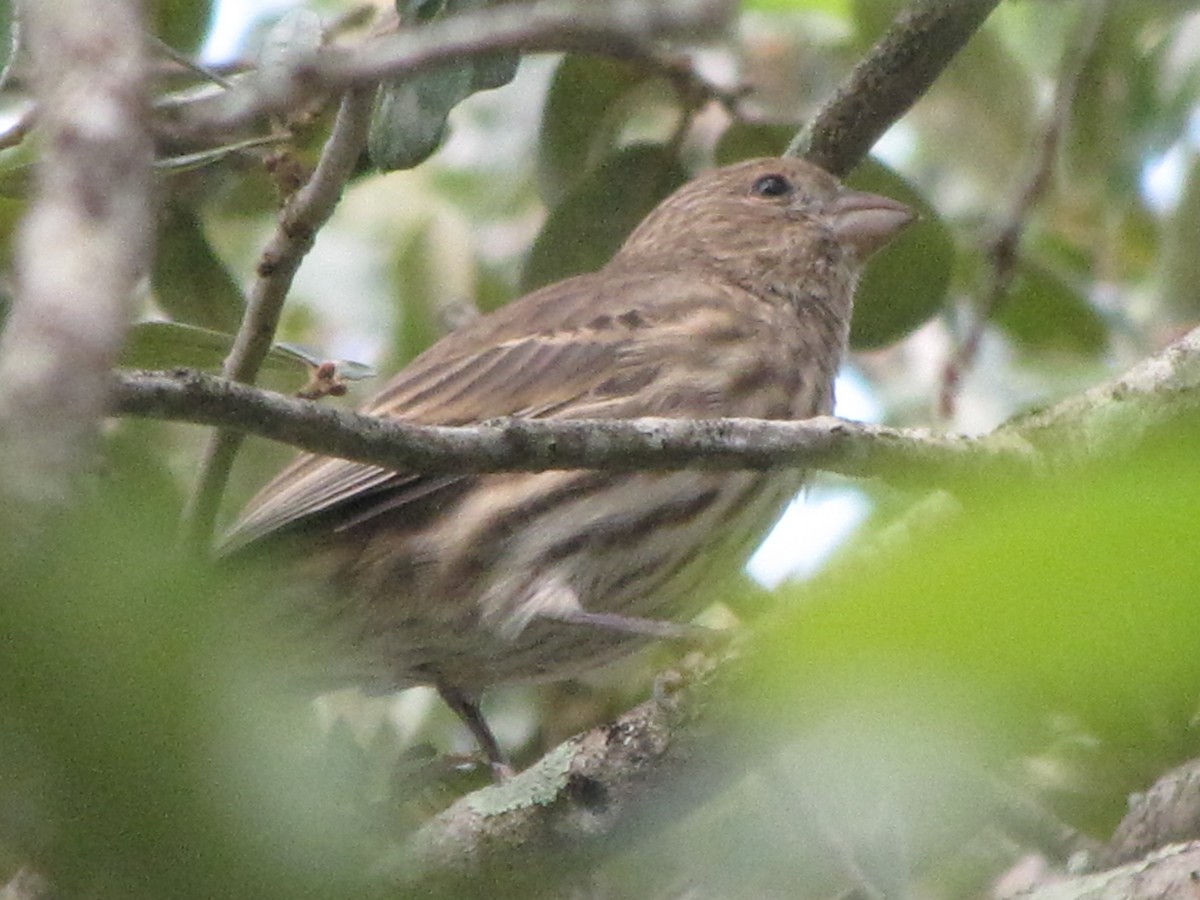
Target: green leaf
<point x="1179" y="274"/>
<point x="750" y="140"/>
<point x="839" y="8"/>
<point x="495" y="70"/>
<point x="409" y="121"/>
<point x="418" y="324"/>
<point x="1044" y="311"/>
<point x="147" y="713"/>
<point x="190" y="282"/>
<point x="583" y="232"/>
<point x="169" y="345"/>
<point x="297" y="33"/>
<point x="1067" y="597"/>
<point x="180" y="24"/>
<point x="905" y="283"/>
<point x="581" y="119"/>
<point x="6" y="32"/>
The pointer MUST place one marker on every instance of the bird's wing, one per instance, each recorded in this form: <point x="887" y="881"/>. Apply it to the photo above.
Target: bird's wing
<point x="573" y="348"/>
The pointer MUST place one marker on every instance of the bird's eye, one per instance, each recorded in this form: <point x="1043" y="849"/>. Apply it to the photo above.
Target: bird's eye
<point x="772" y="186"/>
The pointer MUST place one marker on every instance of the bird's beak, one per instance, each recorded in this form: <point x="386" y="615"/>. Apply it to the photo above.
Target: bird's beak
<point x="865" y="222"/>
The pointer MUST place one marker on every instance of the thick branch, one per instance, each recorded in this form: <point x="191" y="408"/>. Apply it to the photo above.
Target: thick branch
<point x="570" y="805"/>
<point x="615" y="26"/>
<point x="888" y="81"/>
<point x="531" y="445"/>
<point x="83" y="246"/>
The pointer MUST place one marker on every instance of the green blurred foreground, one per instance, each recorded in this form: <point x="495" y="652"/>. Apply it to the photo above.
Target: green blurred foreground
<point x="150" y="748"/>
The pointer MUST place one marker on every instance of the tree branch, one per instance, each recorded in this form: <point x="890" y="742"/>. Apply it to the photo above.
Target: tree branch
<point x="83" y="246"/>
<point x="571" y="804"/>
<point x="888" y="81"/>
<point x="828" y="443"/>
<point x="615" y="26"/>
<point x="1109" y="419"/>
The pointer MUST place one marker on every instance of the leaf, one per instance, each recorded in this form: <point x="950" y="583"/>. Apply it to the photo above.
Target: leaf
<point x="418" y="323"/>
<point x="6" y="33"/>
<point x="296" y="33"/>
<point x="581" y="119"/>
<point x="169" y="345"/>
<point x="750" y="140"/>
<point x="1043" y="311"/>
<point x="148" y="721"/>
<point x="1179" y="275"/>
<point x="583" y="232"/>
<point x="1067" y="597"/>
<point x="190" y="282"/>
<point x="180" y="24"/>
<point x="839" y="8"/>
<point x="409" y="120"/>
<point x="905" y="283"/>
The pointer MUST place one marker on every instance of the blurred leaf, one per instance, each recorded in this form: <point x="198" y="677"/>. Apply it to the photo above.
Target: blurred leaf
<point x="6" y="32"/>
<point x="581" y="119"/>
<point x="1073" y="597"/>
<point x="297" y="33"/>
<point x="905" y="283"/>
<point x="979" y="118"/>
<point x="1045" y="312"/>
<point x="839" y="8"/>
<point x="495" y="71"/>
<point x="749" y="140"/>
<point x="168" y="345"/>
<point x="874" y="16"/>
<point x="419" y="10"/>
<point x="409" y="121"/>
<point x="190" y="282"/>
<point x="16" y="170"/>
<point x="419" y="324"/>
<point x="1179" y="275"/>
<point x="180" y="24"/>
<point x="170" y="760"/>
<point x="583" y="232"/>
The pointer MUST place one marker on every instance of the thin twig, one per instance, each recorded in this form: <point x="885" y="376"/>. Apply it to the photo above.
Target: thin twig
<point x="188" y="63"/>
<point x="304" y="214"/>
<point x="888" y="81"/>
<point x="1002" y="252"/>
<point x="544" y="26"/>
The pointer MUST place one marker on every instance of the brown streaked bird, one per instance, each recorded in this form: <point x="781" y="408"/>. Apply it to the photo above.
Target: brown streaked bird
<point x="732" y="298"/>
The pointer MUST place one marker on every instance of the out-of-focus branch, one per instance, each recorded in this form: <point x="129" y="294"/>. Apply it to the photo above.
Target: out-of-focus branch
<point x="83" y="246"/>
<point x="614" y="26"/>
<point x="303" y="215"/>
<point x="888" y="81"/>
<point x="1002" y="251"/>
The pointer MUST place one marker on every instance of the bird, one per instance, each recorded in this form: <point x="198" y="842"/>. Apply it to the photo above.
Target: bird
<point x="732" y="297"/>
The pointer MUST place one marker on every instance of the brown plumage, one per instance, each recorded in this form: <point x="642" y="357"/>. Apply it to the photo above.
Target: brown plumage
<point x="732" y="298"/>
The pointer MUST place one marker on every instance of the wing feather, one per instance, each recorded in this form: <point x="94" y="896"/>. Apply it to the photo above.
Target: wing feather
<point x="562" y="350"/>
